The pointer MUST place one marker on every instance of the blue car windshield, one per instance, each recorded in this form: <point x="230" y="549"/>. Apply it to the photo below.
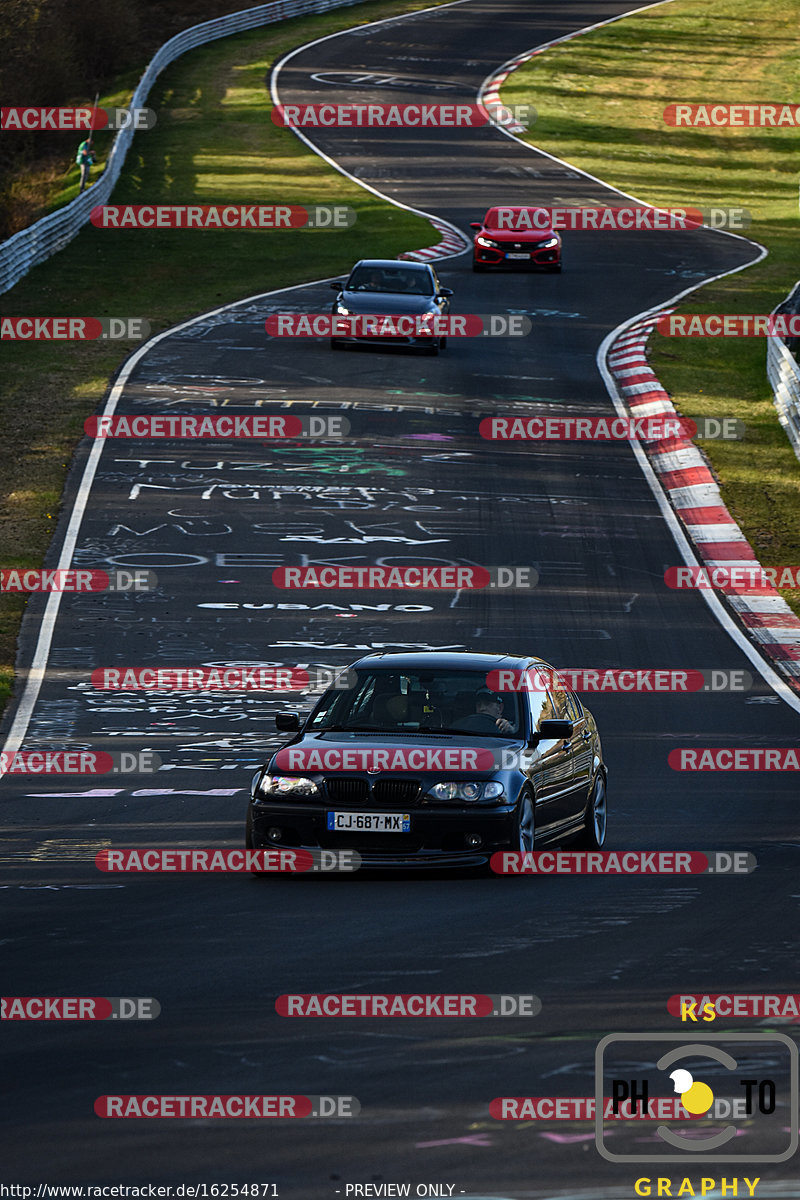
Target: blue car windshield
<point x="398" y="280"/>
<point x="407" y="702"/>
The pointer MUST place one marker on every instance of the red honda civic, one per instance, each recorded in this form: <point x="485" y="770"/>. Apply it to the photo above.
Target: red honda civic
<point x="516" y="236"/>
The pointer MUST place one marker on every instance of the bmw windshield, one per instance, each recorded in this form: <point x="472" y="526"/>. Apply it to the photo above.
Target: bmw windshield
<point x="390" y="702"/>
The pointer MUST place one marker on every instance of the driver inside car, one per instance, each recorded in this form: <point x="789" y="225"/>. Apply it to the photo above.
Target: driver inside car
<point x="488" y="716"/>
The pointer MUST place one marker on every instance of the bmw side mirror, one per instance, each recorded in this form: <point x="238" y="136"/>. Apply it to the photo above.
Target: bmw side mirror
<point x="554" y="728"/>
<point x="287" y="722"/>
<point x="445" y="291"/>
<point x="337" y="285"/>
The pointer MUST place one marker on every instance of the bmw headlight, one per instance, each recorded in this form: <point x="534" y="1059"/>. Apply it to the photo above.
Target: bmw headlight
<point x="471" y="791"/>
<point x="548" y="245"/>
<point x="342" y="311"/>
<point x="286" y="785"/>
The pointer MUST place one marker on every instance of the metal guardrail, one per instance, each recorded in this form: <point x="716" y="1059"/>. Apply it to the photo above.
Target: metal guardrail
<point x="49" y="235"/>
<point x="783" y="372"/>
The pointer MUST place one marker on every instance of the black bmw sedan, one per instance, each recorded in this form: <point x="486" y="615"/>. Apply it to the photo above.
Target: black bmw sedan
<point x="434" y="759"/>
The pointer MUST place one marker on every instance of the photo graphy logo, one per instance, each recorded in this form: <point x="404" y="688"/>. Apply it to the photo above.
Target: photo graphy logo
<point x="756" y="1074"/>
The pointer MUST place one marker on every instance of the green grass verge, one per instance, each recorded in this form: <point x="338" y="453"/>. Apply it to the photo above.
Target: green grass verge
<point x="600" y="100"/>
<point x="214" y="143"/>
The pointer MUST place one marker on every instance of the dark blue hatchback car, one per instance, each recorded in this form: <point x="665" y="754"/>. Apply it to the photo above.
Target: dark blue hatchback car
<point x="435" y="759"/>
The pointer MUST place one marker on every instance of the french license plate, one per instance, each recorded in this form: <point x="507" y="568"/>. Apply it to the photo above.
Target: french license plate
<point x="518" y="256"/>
<point x="369" y="822"/>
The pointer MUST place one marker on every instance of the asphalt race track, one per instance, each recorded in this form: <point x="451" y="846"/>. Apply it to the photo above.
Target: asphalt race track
<point x="412" y="483"/>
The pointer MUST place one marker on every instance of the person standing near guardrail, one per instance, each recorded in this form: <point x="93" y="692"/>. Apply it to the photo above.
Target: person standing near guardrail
<point x="85" y="160"/>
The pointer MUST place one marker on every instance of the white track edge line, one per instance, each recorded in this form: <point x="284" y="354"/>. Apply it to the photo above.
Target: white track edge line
<point x="273" y="86"/>
<point x="518" y="61"/>
<point x="767" y="672"/>
<point x="685" y="547"/>
<point x="35" y="675"/>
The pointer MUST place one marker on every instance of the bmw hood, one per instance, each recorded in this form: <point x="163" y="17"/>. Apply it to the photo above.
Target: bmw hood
<point x="455" y="755"/>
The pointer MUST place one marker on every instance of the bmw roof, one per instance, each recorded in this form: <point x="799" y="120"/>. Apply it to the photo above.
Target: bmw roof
<point x="445" y="660"/>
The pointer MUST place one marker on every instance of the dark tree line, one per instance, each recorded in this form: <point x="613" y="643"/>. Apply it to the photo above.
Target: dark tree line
<point x="62" y="52"/>
<point x="57" y="52"/>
